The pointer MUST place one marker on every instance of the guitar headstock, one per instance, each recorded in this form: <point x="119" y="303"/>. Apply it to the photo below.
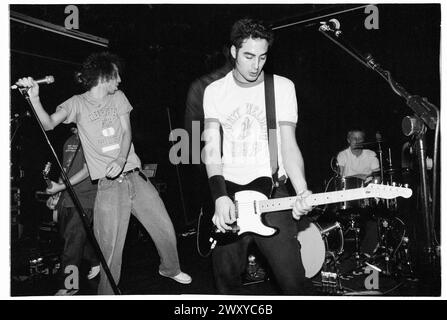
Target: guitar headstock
<point x="383" y="191"/>
<point x="46" y="170"/>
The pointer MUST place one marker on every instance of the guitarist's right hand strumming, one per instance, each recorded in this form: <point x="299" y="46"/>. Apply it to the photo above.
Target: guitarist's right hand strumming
<point x="224" y="214"/>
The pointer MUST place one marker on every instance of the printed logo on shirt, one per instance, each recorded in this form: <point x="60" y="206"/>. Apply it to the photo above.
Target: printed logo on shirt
<point x="247" y="131"/>
<point x="108" y="116"/>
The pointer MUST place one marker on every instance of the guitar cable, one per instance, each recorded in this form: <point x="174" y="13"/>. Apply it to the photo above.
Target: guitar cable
<point x="198" y="236"/>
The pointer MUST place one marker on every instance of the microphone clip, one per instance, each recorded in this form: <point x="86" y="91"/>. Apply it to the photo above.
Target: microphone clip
<point x="332" y="25"/>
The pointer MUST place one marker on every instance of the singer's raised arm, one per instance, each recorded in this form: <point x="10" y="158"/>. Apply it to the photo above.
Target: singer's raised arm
<point x="49" y="122"/>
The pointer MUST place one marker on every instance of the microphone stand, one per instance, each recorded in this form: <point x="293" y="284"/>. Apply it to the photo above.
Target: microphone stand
<point x="77" y="203"/>
<point x="425" y="115"/>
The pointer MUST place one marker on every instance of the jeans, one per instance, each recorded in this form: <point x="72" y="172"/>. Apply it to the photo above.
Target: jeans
<point x="115" y="201"/>
<point x="76" y="243"/>
<point x="282" y="252"/>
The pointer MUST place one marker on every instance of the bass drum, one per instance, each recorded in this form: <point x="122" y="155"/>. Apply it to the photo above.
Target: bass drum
<point x="317" y="241"/>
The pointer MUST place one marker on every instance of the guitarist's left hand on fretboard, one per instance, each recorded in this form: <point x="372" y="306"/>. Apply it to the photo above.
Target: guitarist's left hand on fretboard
<point x="300" y="207"/>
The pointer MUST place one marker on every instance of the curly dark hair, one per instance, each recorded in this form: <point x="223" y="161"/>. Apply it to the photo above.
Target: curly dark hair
<point x="250" y="28"/>
<point x="98" y="66"/>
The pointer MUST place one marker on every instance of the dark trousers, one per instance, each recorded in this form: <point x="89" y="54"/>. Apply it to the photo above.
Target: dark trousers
<point x="76" y="243"/>
<point x="282" y="252"/>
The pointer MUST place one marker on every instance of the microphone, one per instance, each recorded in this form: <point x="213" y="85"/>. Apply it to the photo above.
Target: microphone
<point x="46" y="80"/>
<point x="332" y="25"/>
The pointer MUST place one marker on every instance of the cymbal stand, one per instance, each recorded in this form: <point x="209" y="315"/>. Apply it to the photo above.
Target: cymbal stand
<point x="383" y="230"/>
<point x="353" y="226"/>
<point x="391" y="203"/>
<point x="380" y="151"/>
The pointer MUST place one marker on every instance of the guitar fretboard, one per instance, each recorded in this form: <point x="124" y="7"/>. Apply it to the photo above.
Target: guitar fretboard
<point x="315" y="199"/>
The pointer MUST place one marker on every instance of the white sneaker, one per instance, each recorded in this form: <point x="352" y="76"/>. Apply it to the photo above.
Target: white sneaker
<point x="94" y="271"/>
<point x="182" y="277"/>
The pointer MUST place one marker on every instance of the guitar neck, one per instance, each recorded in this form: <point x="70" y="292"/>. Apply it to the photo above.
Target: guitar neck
<point x="313" y="200"/>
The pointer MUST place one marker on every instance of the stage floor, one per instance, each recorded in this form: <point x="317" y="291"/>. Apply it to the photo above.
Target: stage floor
<point x="140" y="274"/>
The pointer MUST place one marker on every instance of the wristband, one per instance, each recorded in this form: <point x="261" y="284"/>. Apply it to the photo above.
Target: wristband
<point x="218" y="187"/>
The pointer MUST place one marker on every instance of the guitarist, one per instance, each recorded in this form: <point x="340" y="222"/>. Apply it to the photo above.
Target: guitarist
<point x="76" y="244"/>
<point x="236" y="103"/>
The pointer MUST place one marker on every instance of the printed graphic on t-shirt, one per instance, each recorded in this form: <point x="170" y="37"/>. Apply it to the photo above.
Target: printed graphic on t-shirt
<point x="108" y="116"/>
<point x="246" y="130"/>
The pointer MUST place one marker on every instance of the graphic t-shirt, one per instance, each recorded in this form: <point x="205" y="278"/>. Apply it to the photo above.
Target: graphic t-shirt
<point x="100" y="129"/>
<point x="364" y="164"/>
<point x="241" y="114"/>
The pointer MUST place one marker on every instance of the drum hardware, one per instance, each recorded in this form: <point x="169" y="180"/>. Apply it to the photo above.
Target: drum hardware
<point x="390" y="259"/>
<point x="403" y="255"/>
<point x="354" y="227"/>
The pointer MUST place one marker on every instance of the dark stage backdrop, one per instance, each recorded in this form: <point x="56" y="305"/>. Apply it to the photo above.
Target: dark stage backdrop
<point x="166" y="47"/>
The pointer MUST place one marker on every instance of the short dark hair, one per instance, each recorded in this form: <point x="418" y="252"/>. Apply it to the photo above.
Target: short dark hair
<point x="98" y="66"/>
<point x="250" y="28"/>
<point x="355" y="129"/>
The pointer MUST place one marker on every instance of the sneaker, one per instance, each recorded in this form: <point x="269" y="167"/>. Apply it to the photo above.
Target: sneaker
<point x="182" y="277"/>
<point x="94" y="271"/>
<point x="66" y="292"/>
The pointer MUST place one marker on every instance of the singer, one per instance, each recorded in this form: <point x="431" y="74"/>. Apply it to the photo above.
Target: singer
<point x="102" y="115"/>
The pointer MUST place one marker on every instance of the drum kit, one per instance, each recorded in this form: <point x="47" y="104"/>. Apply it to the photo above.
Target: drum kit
<point x="347" y="237"/>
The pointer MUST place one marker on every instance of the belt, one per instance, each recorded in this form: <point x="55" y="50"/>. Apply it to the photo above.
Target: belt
<point x="141" y="174"/>
<point x="130" y="171"/>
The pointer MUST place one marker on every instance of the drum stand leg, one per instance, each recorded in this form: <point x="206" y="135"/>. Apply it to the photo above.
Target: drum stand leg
<point x="354" y="227"/>
<point x="384" y="250"/>
<point x="406" y="263"/>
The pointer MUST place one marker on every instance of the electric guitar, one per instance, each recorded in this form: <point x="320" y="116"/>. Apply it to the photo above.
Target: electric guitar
<point x="53" y="202"/>
<point x="251" y="202"/>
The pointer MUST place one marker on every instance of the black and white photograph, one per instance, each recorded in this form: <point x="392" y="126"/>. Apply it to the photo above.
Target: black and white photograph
<point x="224" y="150"/>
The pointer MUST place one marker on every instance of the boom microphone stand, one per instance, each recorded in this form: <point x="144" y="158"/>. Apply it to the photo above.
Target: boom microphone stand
<point x="75" y="199"/>
<point x="425" y="115"/>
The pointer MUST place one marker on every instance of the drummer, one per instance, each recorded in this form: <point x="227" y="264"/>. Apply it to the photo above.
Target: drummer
<point x="359" y="162"/>
<point x="356" y="160"/>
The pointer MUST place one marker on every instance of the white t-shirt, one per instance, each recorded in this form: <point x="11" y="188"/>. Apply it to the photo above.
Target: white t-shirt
<point x="241" y="113"/>
<point x="364" y="164"/>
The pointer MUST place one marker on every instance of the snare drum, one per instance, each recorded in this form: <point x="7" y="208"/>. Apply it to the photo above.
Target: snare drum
<point x="316" y="242"/>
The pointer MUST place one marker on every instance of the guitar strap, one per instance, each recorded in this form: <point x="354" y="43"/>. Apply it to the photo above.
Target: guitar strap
<point x="68" y="168"/>
<point x="272" y="131"/>
<point x="71" y="160"/>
